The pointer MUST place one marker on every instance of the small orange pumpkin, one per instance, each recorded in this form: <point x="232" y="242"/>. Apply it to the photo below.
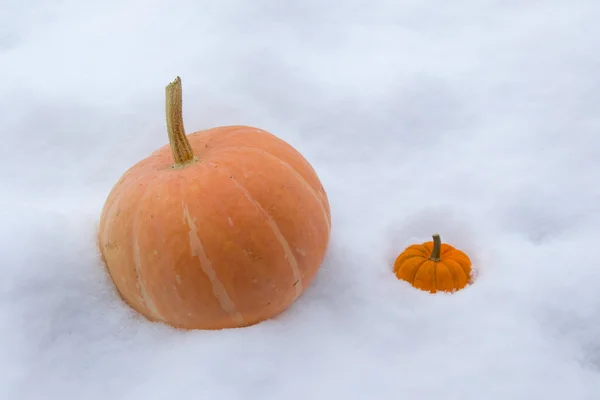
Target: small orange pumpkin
<point x="434" y="266"/>
<point x="220" y="228"/>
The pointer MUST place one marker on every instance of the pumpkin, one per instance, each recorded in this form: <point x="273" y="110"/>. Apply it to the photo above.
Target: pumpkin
<point x="221" y="228"/>
<point x="434" y="266"/>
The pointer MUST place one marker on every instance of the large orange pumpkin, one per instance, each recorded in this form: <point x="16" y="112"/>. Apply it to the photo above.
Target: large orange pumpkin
<point x="434" y="266"/>
<point x="221" y="228"/>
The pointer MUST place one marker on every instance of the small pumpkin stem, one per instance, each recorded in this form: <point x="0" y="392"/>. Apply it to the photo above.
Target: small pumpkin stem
<point x="437" y="248"/>
<point x="180" y="145"/>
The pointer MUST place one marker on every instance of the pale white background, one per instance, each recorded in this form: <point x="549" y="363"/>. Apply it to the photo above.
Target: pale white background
<point x="479" y="120"/>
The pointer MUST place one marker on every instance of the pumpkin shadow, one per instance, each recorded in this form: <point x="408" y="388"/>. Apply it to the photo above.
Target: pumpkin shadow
<point x="337" y="280"/>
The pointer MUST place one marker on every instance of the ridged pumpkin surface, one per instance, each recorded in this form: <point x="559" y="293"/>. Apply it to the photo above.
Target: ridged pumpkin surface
<point x="226" y="241"/>
<point x="434" y="267"/>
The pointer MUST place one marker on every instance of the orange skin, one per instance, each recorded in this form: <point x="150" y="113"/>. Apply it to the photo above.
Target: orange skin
<point x="452" y="272"/>
<point x="226" y="241"/>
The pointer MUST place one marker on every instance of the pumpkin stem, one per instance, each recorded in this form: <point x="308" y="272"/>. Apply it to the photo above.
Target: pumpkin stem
<point x="180" y="145"/>
<point x="437" y="248"/>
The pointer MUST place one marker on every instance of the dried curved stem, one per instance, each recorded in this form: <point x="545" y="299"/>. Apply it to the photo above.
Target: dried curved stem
<point x="437" y="248"/>
<point x="180" y="145"/>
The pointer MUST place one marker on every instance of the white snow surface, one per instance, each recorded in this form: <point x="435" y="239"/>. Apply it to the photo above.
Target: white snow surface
<point x="479" y="120"/>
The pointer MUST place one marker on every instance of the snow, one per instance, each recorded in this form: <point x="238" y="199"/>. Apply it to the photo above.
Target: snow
<point x="477" y="120"/>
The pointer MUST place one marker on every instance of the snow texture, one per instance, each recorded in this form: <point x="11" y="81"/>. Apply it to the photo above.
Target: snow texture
<point x="479" y="120"/>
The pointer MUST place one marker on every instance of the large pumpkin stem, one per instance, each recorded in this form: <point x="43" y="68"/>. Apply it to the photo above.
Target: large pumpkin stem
<point x="180" y="145"/>
<point x="437" y="248"/>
